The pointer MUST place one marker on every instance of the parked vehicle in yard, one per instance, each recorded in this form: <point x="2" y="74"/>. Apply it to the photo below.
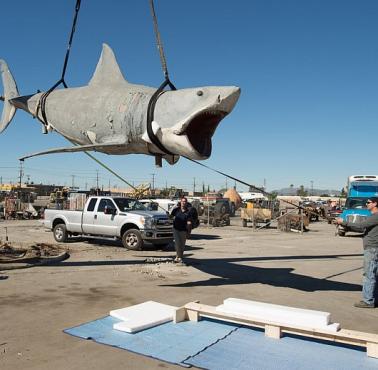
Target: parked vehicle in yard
<point x="112" y="218"/>
<point x="216" y="213"/>
<point x="333" y="214"/>
<point x="259" y="211"/>
<point x="360" y="188"/>
<point x="165" y="205"/>
<point x="255" y="216"/>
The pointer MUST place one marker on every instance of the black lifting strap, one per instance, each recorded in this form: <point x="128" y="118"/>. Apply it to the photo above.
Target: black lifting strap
<point x="150" y="115"/>
<point x="42" y="102"/>
<point x="160" y="90"/>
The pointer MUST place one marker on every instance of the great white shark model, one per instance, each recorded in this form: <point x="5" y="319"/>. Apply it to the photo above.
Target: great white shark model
<point x="109" y="115"/>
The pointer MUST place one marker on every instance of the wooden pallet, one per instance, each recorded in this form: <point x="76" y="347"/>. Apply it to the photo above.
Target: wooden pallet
<point x="193" y="311"/>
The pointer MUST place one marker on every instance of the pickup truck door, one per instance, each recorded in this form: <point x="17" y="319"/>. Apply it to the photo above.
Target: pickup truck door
<point x="89" y="217"/>
<point x="105" y="224"/>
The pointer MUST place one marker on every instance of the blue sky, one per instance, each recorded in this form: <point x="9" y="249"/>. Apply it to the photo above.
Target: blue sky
<point x="307" y="69"/>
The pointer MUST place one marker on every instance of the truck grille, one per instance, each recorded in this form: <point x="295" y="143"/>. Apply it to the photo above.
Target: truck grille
<point x="164" y="224"/>
<point x="356" y="218"/>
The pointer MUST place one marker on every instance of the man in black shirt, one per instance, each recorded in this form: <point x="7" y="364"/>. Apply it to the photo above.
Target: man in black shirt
<point x="182" y="226"/>
<point x="370" y="244"/>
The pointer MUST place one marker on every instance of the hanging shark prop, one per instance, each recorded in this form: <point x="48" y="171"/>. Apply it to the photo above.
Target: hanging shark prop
<point x="109" y="115"/>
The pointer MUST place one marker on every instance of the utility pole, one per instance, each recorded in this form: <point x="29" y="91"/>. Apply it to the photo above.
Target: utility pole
<point x="21" y="173"/>
<point x="264" y="186"/>
<point x="153" y="183"/>
<point x="96" y="179"/>
<point x="194" y="185"/>
<point x="73" y="181"/>
<point x="226" y="184"/>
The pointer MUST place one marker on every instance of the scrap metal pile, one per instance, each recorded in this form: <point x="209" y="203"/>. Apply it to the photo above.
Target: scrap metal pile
<point x="12" y="257"/>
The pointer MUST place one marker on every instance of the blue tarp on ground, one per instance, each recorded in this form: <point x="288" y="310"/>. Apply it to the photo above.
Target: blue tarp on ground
<point x="250" y="349"/>
<point x="168" y="342"/>
<point x="215" y="345"/>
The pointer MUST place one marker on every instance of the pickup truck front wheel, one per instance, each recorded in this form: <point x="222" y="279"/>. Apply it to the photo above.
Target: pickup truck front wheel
<point x="132" y="239"/>
<point x="340" y="232"/>
<point x="60" y="233"/>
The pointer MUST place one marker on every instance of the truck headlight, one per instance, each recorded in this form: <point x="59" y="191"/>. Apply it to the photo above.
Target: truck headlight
<point x="149" y="222"/>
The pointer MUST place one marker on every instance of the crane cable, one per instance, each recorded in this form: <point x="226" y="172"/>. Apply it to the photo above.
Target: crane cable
<point x="151" y="106"/>
<point x="42" y="101"/>
<point x="158" y="41"/>
<point x="167" y="82"/>
<point x="160" y="91"/>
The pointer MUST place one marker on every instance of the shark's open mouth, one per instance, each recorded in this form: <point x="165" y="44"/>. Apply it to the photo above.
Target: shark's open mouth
<point x="201" y="129"/>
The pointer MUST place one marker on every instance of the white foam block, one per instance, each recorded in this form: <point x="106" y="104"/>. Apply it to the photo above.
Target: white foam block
<point x="280" y="314"/>
<point x="142" y="316"/>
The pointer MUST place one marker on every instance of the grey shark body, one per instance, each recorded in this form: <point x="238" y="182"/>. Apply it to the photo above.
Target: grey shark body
<point x="109" y="115"/>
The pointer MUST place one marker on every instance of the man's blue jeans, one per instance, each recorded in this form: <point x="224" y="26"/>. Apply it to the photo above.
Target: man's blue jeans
<point x="370" y="276"/>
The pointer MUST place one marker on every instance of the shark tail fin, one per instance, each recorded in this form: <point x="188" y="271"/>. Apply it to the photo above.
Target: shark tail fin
<point x="10" y="92"/>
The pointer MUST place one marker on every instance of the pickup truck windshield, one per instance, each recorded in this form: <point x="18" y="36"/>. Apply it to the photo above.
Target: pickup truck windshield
<point x="356" y="203"/>
<point x="127" y="204"/>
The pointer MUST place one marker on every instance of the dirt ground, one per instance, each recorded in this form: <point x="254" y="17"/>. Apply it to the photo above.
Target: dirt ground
<point x="315" y="270"/>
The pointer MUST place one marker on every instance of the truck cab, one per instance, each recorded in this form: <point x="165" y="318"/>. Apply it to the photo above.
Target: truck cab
<point x="360" y="189"/>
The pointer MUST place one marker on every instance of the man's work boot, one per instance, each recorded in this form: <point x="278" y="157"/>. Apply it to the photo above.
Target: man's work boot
<point x="363" y="304"/>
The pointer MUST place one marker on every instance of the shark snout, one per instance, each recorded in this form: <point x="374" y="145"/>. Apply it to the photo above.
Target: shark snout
<point x="227" y="98"/>
<point x="199" y="116"/>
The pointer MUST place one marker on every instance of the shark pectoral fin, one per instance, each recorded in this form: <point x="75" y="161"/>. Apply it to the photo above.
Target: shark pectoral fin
<point x="78" y="148"/>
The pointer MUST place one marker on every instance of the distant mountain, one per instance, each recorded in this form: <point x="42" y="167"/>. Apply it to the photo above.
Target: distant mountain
<point x="318" y="192"/>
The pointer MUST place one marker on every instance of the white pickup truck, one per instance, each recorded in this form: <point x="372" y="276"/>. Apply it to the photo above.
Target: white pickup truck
<point x="112" y="217"/>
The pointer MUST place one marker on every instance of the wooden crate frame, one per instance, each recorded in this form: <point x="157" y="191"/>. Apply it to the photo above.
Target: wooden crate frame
<point x="193" y="311"/>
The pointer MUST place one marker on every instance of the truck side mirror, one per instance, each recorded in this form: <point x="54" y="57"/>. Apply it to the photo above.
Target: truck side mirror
<point x="109" y="211"/>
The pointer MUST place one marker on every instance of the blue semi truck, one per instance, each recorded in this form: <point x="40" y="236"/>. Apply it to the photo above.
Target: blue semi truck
<point x="360" y="188"/>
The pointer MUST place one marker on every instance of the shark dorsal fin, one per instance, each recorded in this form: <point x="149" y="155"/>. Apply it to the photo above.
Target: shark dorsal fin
<point x="107" y="71"/>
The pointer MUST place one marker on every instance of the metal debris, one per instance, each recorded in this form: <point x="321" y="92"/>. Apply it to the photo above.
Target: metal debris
<point x="12" y="257"/>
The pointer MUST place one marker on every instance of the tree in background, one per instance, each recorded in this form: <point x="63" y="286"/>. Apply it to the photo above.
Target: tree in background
<point x="273" y="195"/>
<point x="302" y="192"/>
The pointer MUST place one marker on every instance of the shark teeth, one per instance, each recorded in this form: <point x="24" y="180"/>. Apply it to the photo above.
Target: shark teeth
<point x="200" y="130"/>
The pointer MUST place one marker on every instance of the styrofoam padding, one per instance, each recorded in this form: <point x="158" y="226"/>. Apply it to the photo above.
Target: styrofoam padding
<point x="280" y="314"/>
<point x="142" y="316"/>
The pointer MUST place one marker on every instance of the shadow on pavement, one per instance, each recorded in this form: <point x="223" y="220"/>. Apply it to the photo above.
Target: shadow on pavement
<point x="99" y="263"/>
<point x="229" y="271"/>
<point x="203" y="237"/>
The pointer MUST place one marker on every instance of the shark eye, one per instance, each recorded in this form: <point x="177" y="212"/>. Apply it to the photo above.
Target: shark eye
<point x="199" y="92"/>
